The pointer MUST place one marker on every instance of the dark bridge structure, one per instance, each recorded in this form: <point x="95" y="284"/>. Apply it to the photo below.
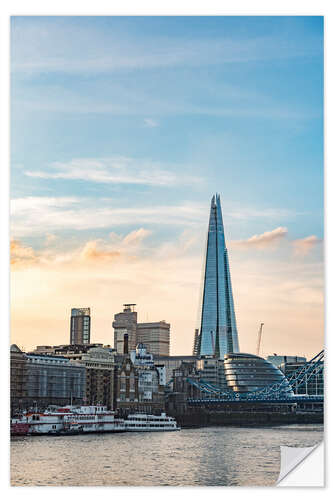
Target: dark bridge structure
<point x="280" y="392"/>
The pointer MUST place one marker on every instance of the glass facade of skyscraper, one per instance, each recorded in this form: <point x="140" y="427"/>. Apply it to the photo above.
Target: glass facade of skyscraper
<point x="218" y="331"/>
<point x="80" y="326"/>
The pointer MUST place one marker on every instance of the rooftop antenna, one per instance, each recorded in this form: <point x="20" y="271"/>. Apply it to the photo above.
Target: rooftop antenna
<point x="130" y="306"/>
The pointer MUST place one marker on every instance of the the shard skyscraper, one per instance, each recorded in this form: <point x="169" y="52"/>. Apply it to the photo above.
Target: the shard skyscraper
<point x="217" y="334"/>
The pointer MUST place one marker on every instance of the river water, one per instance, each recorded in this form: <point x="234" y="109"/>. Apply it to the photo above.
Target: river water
<point x="210" y="456"/>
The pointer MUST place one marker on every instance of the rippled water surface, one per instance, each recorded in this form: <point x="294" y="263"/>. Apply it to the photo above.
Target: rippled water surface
<point x="211" y="456"/>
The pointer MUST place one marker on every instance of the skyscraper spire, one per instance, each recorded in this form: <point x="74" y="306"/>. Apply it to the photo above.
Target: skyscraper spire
<point x="217" y="334"/>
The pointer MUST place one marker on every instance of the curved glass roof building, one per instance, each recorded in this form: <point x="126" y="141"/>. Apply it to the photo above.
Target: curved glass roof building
<point x="217" y="334"/>
<point x="247" y="372"/>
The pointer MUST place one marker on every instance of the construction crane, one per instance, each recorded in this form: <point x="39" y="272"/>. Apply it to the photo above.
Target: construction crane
<point x="259" y="338"/>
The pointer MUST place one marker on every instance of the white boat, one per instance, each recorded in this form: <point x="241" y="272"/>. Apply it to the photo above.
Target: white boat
<point x="69" y="420"/>
<point x="87" y="419"/>
<point x="140" y="422"/>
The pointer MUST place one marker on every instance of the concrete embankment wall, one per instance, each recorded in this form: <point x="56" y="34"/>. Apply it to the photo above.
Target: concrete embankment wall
<point x="204" y="418"/>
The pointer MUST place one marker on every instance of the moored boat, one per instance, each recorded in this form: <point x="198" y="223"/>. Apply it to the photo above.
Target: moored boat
<point x="141" y="422"/>
<point x="18" y="428"/>
<point x="72" y="420"/>
<point x="67" y="420"/>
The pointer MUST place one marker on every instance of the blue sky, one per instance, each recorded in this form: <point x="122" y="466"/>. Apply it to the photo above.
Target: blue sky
<point x="127" y="123"/>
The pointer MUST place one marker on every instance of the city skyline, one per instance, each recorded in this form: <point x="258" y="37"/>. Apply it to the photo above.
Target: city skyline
<point x="118" y="144"/>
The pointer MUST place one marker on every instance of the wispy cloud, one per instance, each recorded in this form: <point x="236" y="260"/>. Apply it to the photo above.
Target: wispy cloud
<point x="264" y="240"/>
<point x="50" y="239"/>
<point x="269" y="213"/>
<point x="61" y="45"/>
<point x="38" y="203"/>
<point x="304" y="246"/>
<point x="117" y="99"/>
<point x="116" y="170"/>
<point x="92" y="252"/>
<point x="150" y="123"/>
<point x="21" y="255"/>
<point x="270" y="239"/>
<point x="33" y="215"/>
<point x="114" y="247"/>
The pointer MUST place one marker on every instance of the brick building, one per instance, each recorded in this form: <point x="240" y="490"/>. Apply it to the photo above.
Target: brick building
<point x="138" y="386"/>
<point x="43" y="380"/>
<point x="18" y="375"/>
<point x="99" y="364"/>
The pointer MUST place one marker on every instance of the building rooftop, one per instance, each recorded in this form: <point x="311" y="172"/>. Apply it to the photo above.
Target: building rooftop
<point x="181" y="356"/>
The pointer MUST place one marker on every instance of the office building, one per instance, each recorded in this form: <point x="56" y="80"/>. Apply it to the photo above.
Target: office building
<point x="46" y="380"/>
<point x="99" y="364"/>
<point x="247" y="372"/>
<point x="311" y="384"/>
<point x="217" y="333"/>
<point x="80" y="326"/>
<point x="170" y="363"/>
<point x="196" y="342"/>
<point x="138" y="387"/>
<point x="211" y="370"/>
<point x="141" y="357"/>
<point x="155" y="336"/>
<point x="125" y="323"/>
<point x="18" y="375"/>
<point x="53" y="380"/>
<point x="278" y="360"/>
<point x="70" y="351"/>
<point x="42" y="380"/>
